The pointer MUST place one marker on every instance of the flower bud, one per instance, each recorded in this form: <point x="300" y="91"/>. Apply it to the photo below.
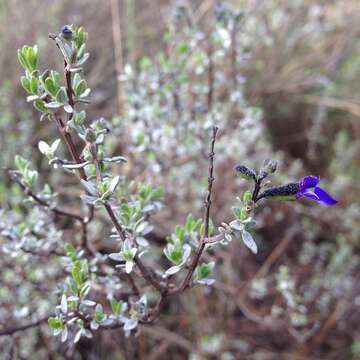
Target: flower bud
<point x="66" y="32"/>
<point x="245" y="172"/>
<point x="90" y="136"/>
<point x="270" y="165"/>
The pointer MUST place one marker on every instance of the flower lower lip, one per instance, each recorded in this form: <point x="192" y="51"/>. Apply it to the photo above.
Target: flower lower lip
<point x="309" y="189"/>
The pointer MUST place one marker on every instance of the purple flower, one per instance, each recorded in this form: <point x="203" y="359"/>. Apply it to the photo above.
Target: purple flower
<point x="308" y="188"/>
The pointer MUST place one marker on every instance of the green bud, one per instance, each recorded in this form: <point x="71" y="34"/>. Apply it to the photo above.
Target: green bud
<point x="270" y="165"/>
<point x="90" y="136"/>
<point x="55" y="323"/>
<point x="28" y="57"/>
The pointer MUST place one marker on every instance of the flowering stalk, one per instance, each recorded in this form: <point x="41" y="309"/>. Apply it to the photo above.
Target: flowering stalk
<point x="81" y="308"/>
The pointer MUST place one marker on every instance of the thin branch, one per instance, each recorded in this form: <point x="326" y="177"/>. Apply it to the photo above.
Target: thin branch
<point x="45" y="204"/>
<point x="69" y="89"/>
<point x="62" y="127"/>
<point x="133" y="285"/>
<point x="203" y="238"/>
<point x="71" y="145"/>
<point x="256" y="190"/>
<point x="210" y="182"/>
<point x="115" y="222"/>
<point x="108" y="208"/>
<point x="165" y="293"/>
<point x="143" y="269"/>
<point x="148" y="276"/>
<point x="14" y="329"/>
<point x="214" y="239"/>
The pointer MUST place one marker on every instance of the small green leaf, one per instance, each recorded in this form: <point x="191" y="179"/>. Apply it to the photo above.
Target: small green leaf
<point x="247" y="197"/>
<point x="236" y="211"/>
<point x="30" y="177"/>
<point x="50" y="87"/>
<point x="80" y="37"/>
<point x="21" y="163"/>
<point x="114" y="183"/>
<point x="75" y="272"/>
<point x="55" y="323"/>
<point x="43" y="147"/>
<point x="99" y="316"/>
<point x="80" y="87"/>
<point x="55" y="145"/>
<point x="116" y="306"/>
<point x="79" y="118"/>
<point x="55" y="76"/>
<point x="75" y="81"/>
<point x="22" y="60"/>
<point x="249" y="241"/>
<point x="61" y="96"/>
<point x="34" y="83"/>
<point x="53" y="105"/>
<point x="237" y="225"/>
<point x="204" y="270"/>
<point x="81" y="51"/>
<point x="28" y="57"/>
<point x="70" y="251"/>
<point x="85" y="289"/>
<point x="32" y="57"/>
<point x="68" y="108"/>
<point x="83" y="59"/>
<point x="40" y="106"/>
<point x="25" y="82"/>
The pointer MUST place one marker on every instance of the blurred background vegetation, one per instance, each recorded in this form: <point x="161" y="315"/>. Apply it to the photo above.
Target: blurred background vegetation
<point x="281" y="78"/>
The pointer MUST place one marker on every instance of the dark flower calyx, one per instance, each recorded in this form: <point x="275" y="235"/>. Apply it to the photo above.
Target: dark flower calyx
<point x="287" y="191"/>
<point x="246" y="172"/>
<point x="307" y="187"/>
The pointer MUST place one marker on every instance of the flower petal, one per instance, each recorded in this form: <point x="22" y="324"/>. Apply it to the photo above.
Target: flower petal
<point x="324" y="197"/>
<point x="308" y="182"/>
<point x="308" y="194"/>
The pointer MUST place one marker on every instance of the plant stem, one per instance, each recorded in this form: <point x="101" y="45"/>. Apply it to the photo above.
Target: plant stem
<point x="202" y="243"/>
<point x="166" y="292"/>
<point x="43" y="203"/>
<point x="256" y="191"/>
<point x="14" y="329"/>
<point x="72" y="148"/>
<point x="148" y="276"/>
